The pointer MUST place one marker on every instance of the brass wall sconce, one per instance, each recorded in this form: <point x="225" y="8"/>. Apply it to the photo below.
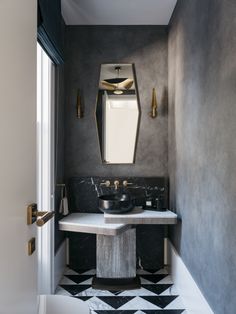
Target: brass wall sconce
<point x="154" y="113"/>
<point x="79" y="107"/>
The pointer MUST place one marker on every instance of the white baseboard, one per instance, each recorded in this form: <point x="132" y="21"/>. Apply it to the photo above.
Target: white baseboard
<point x="60" y="260"/>
<point x="193" y="299"/>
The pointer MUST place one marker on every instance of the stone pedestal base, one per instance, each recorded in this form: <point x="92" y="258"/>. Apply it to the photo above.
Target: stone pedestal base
<point x="116" y="262"/>
<point x="115" y="284"/>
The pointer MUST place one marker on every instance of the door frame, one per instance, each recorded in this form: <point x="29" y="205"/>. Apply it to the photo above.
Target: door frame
<point x="46" y="96"/>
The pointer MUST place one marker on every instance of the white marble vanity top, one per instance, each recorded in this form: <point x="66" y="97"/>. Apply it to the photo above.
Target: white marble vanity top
<point x="114" y="224"/>
<point x="90" y="223"/>
<point x="139" y="217"/>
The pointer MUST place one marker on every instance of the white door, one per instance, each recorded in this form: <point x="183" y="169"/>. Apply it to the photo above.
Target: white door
<point x="18" y="271"/>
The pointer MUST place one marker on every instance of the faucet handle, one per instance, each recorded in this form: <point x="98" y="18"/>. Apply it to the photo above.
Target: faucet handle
<point x="116" y="184"/>
<point x="107" y="183"/>
<point x="126" y="183"/>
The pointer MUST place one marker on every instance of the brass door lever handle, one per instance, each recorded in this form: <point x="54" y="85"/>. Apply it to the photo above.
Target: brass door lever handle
<point x="33" y="214"/>
<point x="44" y="217"/>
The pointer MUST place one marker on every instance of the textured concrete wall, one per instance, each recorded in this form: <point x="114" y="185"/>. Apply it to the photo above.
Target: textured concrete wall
<point x="202" y="144"/>
<point x="86" y="48"/>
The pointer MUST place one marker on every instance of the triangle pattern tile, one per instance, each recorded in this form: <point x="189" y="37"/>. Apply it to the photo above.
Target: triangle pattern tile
<point x="116" y="292"/>
<point x="116" y="312"/>
<point x="137" y="292"/>
<point x="154" y="278"/>
<point x="88" y="272"/>
<point x="145" y="281"/>
<point x="161" y="302"/>
<point x="142" y="272"/>
<point x="166" y="280"/>
<point x="152" y="271"/>
<point x="61" y="291"/>
<point x="157" y="289"/>
<point x="171" y="291"/>
<point x="69" y="271"/>
<point x="162" y="271"/>
<point x="75" y="289"/>
<point x="96" y="304"/>
<point x="157" y="295"/>
<point x="177" y="304"/>
<point x="66" y="281"/>
<point x="116" y="301"/>
<point x="83" y="298"/>
<point x="83" y="271"/>
<point x="87" y="282"/>
<point x="95" y="292"/>
<point x="163" y="311"/>
<point x="79" y="278"/>
<point x="138" y="303"/>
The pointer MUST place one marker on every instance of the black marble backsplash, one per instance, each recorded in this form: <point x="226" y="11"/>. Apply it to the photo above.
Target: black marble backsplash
<point x="82" y="196"/>
<point x="83" y="192"/>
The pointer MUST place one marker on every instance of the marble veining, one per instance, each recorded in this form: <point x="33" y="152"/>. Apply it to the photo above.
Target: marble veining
<point x="157" y="294"/>
<point x="83" y="195"/>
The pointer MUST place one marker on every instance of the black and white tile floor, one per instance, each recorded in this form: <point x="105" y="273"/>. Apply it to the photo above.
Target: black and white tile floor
<point x="156" y="296"/>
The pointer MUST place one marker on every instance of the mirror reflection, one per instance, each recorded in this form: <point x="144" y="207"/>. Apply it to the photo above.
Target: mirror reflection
<point x="117" y="113"/>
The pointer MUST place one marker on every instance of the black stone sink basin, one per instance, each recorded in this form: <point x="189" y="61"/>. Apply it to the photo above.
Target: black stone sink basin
<point x="116" y="203"/>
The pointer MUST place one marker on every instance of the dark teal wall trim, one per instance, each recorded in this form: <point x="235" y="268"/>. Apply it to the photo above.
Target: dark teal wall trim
<point x="48" y="46"/>
<point x="50" y="30"/>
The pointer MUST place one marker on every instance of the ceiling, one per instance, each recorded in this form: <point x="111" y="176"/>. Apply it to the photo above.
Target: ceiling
<point x="117" y="12"/>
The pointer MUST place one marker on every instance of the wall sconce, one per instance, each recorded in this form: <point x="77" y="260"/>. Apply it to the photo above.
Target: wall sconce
<point x="79" y="107"/>
<point x="154" y="113"/>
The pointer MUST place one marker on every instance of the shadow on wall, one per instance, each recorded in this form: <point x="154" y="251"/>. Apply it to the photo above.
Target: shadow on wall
<point x="175" y="234"/>
<point x="163" y="111"/>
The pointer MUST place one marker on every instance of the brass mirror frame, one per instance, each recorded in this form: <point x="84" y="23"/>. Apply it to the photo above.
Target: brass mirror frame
<point x="104" y="162"/>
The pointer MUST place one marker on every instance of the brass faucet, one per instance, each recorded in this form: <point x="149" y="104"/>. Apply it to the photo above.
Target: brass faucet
<point x="116" y="184"/>
<point x="126" y="183"/>
<point x="107" y="183"/>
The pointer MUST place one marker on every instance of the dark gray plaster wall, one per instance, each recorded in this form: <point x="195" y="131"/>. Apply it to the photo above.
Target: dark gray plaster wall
<point x="202" y="144"/>
<point x="86" y="48"/>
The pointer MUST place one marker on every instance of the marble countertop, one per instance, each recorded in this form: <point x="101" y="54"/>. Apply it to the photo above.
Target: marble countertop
<point x="91" y="223"/>
<point x="139" y="217"/>
<point x="114" y="224"/>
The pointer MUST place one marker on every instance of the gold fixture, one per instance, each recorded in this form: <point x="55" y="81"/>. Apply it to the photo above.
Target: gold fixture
<point x="107" y="183"/>
<point x="79" y="108"/>
<point x="154" y="113"/>
<point x="31" y="246"/>
<point x="116" y="184"/>
<point x="33" y="214"/>
<point x="44" y="217"/>
<point x="118" y="85"/>
<point x="126" y="183"/>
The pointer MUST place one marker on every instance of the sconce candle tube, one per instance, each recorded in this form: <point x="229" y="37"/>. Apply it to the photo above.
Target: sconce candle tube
<point x="79" y="108"/>
<point x="153" y="113"/>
